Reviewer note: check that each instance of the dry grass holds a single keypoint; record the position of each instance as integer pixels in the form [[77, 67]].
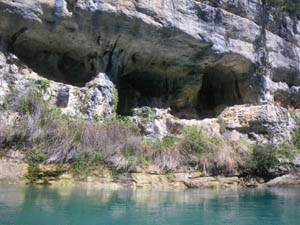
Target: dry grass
[[3, 135], [196, 151], [168, 159], [49, 136], [61, 139]]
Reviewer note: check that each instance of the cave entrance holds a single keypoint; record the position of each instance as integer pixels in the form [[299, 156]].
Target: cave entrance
[[58, 66], [188, 98], [139, 89], [218, 90]]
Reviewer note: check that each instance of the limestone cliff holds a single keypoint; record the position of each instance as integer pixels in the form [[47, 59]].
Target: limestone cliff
[[200, 59], [196, 57]]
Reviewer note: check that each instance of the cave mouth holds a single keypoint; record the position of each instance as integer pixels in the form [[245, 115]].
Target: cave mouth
[[190, 97], [57, 66], [153, 89], [218, 91], [138, 89]]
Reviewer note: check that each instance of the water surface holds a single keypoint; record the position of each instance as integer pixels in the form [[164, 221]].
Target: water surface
[[49, 206]]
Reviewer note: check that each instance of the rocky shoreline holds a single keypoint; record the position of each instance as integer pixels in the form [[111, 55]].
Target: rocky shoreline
[[149, 177], [161, 90]]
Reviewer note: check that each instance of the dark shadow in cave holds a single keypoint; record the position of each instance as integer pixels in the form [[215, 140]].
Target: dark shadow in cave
[[139, 89], [218, 91], [59, 67]]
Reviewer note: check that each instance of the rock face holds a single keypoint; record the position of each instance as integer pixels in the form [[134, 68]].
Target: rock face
[[166, 53], [284, 181], [12, 171], [156, 123], [196, 57], [60, 176], [261, 122], [95, 99]]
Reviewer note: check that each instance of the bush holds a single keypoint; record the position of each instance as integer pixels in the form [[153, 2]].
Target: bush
[[125, 122], [62, 139], [5, 134], [42, 85], [296, 133], [292, 7], [266, 157], [195, 140], [263, 158], [48, 136], [165, 153], [222, 124]]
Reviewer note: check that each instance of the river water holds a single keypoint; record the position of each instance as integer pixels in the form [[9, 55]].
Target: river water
[[21, 205]]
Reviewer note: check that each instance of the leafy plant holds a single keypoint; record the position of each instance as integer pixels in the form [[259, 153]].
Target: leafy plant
[[263, 158], [195, 140], [80, 165], [97, 158], [125, 122], [290, 6], [222, 124], [266, 157], [42, 85], [115, 100], [296, 132], [33, 170]]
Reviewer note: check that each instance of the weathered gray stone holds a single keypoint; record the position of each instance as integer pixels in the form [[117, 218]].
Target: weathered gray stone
[[62, 98], [200, 59], [284, 181], [12, 172], [179, 42], [95, 99], [264, 123]]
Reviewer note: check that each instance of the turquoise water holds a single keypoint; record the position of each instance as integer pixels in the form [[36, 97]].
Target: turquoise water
[[45, 206]]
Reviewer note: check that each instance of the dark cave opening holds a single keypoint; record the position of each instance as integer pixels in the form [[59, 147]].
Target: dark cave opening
[[59, 67], [218, 91], [139, 89], [207, 96]]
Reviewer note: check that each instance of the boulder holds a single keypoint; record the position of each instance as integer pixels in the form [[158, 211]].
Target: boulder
[[265, 123], [285, 181]]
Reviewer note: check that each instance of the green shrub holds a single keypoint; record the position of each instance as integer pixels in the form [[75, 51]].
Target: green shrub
[[115, 100], [165, 143], [222, 124], [124, 121], [195, 140], [97, 158], [266, 157], [6, 133], [296, 132], [25, 103], [62, 139], [286, 151], [80, 165], [33, 169], [42, 85], [292, 7]]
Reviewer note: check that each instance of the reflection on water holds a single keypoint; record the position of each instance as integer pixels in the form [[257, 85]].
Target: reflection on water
[[45, 206]]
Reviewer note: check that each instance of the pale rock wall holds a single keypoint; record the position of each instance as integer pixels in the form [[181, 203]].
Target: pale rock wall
[[240, 51]]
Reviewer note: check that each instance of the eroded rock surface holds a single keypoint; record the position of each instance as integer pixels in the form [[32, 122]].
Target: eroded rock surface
[[94, 100], [284, 181], [13, 171], [163, 53], [263, 123], [166, 63]]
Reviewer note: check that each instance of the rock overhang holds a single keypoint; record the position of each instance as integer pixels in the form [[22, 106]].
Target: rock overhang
[[90, 29], [77, 39]]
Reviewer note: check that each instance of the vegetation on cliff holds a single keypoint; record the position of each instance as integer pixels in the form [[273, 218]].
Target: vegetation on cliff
[[292, 7], [46, 135]]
